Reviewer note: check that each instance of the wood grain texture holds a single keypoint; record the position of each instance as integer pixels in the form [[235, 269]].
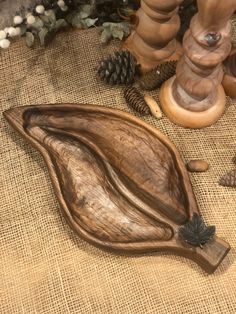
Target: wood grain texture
[[121, 184], [199, 72], [186, 117], [153, 40]]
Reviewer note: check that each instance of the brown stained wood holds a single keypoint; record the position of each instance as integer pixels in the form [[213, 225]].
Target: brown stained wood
[[229, 80], [197, 165], [199, 72], [153, 41], [121, 183], [186, 117]]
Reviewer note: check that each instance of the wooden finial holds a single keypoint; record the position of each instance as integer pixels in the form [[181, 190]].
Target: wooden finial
[[153, 40]]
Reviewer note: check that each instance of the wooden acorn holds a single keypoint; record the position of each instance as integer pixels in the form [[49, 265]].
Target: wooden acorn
[[121, 183], [197, 165]]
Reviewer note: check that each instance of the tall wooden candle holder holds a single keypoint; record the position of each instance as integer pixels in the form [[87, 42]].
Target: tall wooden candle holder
[[153, 40], [195, 98]]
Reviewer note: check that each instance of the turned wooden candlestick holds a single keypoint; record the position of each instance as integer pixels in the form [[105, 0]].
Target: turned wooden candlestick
[[153, 40], [195, 97]]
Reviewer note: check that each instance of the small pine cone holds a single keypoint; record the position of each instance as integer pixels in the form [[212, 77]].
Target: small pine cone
[[118, 69], [229, 179], [186, 12], [136, 100], [157, 76]]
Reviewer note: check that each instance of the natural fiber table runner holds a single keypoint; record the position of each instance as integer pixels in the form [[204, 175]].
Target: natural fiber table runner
[[44, 266]]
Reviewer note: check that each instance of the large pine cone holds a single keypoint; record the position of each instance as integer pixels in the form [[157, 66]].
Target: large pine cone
[[229, 179], [158, 75], [118, 69]]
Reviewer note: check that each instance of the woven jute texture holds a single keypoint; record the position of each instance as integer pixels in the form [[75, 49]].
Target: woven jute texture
[[44, 266]]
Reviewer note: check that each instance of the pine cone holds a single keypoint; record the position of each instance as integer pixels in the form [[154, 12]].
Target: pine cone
[[157, 76], [118, 69], [229, 179], [135, 100], [186, 12]]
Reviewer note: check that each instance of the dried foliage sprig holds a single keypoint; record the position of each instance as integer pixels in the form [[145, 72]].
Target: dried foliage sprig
[[45, 18]]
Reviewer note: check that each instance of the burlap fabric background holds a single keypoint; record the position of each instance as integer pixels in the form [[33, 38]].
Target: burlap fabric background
[[44, 266]]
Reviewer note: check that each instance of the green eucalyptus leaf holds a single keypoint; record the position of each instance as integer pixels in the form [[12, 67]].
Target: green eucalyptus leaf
[[106, 36], [83, 15], [85, 11], [69, 17], [107, 25], [45, 19], [29, 39], [23, 29], [61, 23], [38, 24], [42, 35], [51, 15], [89, 22], [114, 30], [118, 33], [77, 21], [126, 28]]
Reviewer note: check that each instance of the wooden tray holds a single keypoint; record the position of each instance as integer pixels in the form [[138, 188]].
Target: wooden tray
[[121, 183]]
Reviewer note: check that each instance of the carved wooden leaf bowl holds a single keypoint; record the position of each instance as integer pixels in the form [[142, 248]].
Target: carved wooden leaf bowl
[[121, 183]]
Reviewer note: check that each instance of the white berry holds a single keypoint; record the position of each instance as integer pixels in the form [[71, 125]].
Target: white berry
[[3, 35], [40, 9], [30, 19], [4, 43], [61, 3], [18, 19], [18, 31], [12, 32], [64, 8]]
